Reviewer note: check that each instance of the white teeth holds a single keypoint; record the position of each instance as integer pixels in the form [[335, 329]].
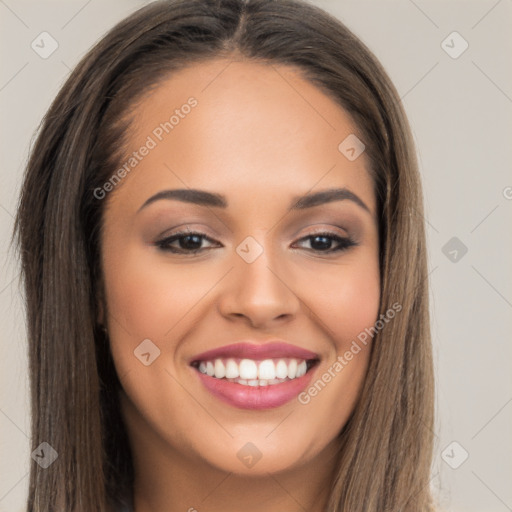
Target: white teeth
[[292, 369], [301, 369], [267, 370], [253, 373], [231, 369], [248, 369], [220, 369], [281, 369]]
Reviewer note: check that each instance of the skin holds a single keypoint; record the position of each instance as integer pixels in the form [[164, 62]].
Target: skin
[[260, 135]]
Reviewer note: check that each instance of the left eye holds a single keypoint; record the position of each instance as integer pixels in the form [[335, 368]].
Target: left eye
[[322, 242], [190, 242]]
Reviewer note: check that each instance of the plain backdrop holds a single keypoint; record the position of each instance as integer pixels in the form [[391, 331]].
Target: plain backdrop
[[460, 109]]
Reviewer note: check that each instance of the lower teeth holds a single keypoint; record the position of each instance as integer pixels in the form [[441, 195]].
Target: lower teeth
[[257, 382]]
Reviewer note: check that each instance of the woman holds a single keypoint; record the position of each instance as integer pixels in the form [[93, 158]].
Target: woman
[[224, 259]]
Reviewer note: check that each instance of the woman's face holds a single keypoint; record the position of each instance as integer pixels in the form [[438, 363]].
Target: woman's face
[[247, 140]]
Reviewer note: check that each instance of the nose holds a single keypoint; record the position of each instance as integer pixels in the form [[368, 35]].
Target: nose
[[259, 293]]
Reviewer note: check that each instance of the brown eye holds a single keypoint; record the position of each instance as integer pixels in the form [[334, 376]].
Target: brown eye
[[323, 242], [188, 242]]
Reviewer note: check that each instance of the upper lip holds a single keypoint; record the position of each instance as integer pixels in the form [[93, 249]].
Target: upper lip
[[256, 350]]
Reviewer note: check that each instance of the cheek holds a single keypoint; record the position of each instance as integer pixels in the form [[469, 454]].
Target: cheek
[[148, 298], [346, 298], [346, 302]]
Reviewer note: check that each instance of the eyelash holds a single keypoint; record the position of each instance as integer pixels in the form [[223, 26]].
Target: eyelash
[[164, 244]]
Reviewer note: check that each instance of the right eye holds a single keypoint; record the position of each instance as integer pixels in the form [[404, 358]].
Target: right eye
[[189, 242]]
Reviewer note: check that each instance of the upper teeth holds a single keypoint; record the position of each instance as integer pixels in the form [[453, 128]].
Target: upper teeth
[[267, 369]]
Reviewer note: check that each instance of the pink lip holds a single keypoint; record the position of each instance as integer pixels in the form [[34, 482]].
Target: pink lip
[[254, 350], [256, 398]]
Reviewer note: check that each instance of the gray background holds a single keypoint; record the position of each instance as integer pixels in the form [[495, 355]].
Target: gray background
[[460, 110]]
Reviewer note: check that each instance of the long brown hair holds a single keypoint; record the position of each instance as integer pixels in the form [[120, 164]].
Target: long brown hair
[[386, 446]]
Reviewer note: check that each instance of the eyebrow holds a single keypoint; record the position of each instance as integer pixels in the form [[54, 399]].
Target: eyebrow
[[204, 198]]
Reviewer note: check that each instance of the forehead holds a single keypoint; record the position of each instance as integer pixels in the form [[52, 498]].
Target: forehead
[[253, 126]]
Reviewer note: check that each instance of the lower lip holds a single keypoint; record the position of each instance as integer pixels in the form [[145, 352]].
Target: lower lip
[[255, 397]]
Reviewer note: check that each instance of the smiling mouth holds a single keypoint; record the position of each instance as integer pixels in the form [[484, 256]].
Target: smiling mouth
[[257, 376], [255, 373], [255, 384]]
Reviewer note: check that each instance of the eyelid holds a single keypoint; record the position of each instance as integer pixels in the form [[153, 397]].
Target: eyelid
[[189, 228], [327, 228]]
